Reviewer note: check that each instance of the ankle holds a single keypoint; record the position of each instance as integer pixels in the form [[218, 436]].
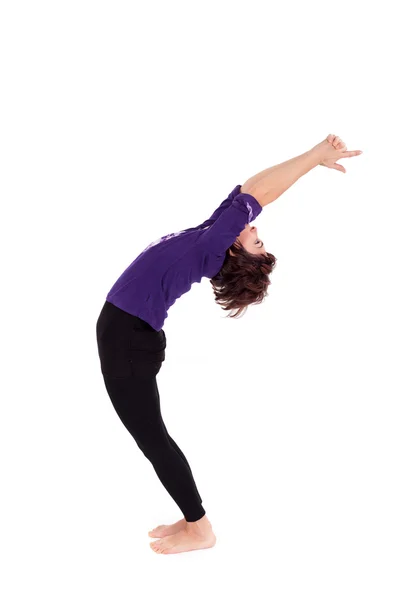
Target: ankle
[[199, 526]]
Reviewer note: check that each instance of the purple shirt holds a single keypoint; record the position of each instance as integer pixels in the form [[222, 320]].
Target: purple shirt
[[167, 268]]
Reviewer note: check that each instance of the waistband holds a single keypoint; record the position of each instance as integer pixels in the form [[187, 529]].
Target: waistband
[[114, 314]]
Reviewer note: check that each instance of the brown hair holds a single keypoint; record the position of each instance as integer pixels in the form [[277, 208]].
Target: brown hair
[[242, 280]]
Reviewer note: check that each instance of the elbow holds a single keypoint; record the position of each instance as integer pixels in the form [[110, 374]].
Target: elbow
[[263, 198]]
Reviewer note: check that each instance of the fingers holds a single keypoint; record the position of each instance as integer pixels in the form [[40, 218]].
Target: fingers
[[339, 167], [338, 144], [351, 153], [333, 139]]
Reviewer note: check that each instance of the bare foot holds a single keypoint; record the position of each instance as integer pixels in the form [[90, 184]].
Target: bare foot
[[196, 535], [164, 530]]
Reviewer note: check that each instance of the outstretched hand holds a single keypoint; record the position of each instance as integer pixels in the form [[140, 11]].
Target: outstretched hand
[[333, 149]]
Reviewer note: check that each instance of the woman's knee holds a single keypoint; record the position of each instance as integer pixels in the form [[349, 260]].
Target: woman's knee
[[153, 441]]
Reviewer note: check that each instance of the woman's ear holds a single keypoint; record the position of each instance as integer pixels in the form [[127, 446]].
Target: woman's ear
[[236, 245]]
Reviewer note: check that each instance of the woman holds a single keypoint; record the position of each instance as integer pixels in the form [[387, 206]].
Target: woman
[[131, 341]]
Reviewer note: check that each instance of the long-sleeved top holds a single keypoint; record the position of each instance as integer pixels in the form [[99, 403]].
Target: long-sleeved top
[[167, 267]]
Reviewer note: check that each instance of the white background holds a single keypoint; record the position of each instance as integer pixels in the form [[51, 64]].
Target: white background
[[125, 121]]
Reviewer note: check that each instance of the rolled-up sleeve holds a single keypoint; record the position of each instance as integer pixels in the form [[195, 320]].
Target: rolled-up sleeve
[[230, 221], [223, 206]]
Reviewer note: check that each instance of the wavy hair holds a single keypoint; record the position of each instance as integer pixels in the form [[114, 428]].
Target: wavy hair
[[242, 280]]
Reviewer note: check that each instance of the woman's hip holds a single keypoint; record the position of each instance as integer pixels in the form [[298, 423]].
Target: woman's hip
[[127, 345]]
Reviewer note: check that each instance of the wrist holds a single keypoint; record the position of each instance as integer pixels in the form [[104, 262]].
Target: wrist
[[316, 155]]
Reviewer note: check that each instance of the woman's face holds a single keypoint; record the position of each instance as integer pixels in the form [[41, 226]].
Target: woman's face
[[250, 240]]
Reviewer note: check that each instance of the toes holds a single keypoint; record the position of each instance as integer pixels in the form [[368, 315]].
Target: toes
[[162, 544], [154, 545], [156, 548], [154, 532]]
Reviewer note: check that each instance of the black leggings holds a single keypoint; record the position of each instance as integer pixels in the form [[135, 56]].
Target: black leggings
[[131, 354]]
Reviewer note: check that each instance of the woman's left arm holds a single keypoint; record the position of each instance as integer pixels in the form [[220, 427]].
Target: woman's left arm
[[271, 183]]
